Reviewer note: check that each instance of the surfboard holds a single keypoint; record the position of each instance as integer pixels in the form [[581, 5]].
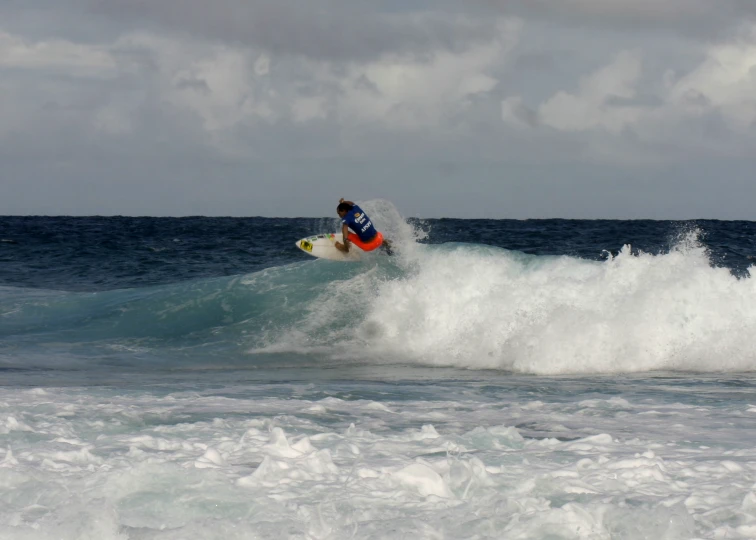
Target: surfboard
[[323, 246]]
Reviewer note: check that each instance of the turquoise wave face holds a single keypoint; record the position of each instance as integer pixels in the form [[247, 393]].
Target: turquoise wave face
[[204, 321], [194, 320]]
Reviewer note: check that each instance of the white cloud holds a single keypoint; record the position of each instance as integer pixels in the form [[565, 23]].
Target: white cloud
[[710, 109], [262, 65], [244, 100], [58, 55], [591, 106], [230, 89], [410, 92], [240, 81], [309, 108], [227, 86], [725, 81]]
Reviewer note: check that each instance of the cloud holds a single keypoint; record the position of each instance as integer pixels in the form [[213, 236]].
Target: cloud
[[90, 86], [244, 102], [604, 100], [591, 106], [59, 55], [227, 92], [405, 92], [725, 81], [691, 18], [337, 30], [710, 108]]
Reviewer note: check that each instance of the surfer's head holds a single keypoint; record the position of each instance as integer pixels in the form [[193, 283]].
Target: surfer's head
[[343, 209]]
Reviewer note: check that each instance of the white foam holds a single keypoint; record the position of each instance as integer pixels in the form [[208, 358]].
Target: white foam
[[210, 459], [12, 424], [393, 226], [360, 471], [9, 461], [424, 479], [489, 308]]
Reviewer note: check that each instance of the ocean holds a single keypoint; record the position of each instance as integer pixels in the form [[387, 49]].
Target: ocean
[[198, 378]]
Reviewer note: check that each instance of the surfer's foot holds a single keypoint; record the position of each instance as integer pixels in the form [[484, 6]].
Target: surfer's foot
[[386, 246]]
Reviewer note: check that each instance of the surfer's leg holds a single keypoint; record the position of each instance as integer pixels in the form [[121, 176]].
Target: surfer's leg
[[354, 239], [370, 245], [386, 246]]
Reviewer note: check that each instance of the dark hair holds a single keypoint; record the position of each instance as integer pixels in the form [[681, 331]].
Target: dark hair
[[345, 207]]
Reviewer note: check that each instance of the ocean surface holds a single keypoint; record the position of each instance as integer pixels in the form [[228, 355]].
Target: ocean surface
[[192, 378]]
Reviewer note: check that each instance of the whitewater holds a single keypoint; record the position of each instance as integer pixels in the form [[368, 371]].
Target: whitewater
[[196, 378]]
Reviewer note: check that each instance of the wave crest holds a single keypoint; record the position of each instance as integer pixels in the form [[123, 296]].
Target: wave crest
[[462, 305]]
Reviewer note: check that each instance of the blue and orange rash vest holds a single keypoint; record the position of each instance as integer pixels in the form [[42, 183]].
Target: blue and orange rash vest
[[360, 223]]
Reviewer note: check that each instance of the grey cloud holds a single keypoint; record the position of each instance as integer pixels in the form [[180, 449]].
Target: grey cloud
[[140, 58], [330, 30], [364, 83], [464, 161], [693, 97], [199, 85], [692, 18], [525, 115], [538, 60], [327, 30], [642, 100]]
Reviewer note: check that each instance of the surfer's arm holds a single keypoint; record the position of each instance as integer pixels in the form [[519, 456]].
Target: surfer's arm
[[345, 235]]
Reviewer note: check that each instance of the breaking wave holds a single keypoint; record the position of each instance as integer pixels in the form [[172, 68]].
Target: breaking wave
[[463, 305]]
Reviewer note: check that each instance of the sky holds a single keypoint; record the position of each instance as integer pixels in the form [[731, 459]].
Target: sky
[[477, 109]]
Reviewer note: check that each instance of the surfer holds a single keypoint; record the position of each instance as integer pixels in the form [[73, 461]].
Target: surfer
[[364, 236]]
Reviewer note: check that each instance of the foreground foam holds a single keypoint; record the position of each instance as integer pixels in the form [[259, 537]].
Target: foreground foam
[[143, 465]]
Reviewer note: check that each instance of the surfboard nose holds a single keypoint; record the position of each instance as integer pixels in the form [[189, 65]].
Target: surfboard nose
[[305, 245]]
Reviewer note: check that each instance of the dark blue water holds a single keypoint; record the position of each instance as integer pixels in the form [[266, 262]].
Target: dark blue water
[[102, 253], [534, 296]]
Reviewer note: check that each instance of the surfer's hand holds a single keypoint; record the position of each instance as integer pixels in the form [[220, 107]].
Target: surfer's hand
[[341, 200]]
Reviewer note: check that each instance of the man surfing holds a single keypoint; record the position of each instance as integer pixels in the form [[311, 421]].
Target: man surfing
[[364, 236]]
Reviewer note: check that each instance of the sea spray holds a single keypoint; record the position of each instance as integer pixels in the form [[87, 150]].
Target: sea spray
[[488, 308]]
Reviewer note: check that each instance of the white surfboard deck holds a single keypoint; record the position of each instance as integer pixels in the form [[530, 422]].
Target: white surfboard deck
[[323, 246]]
